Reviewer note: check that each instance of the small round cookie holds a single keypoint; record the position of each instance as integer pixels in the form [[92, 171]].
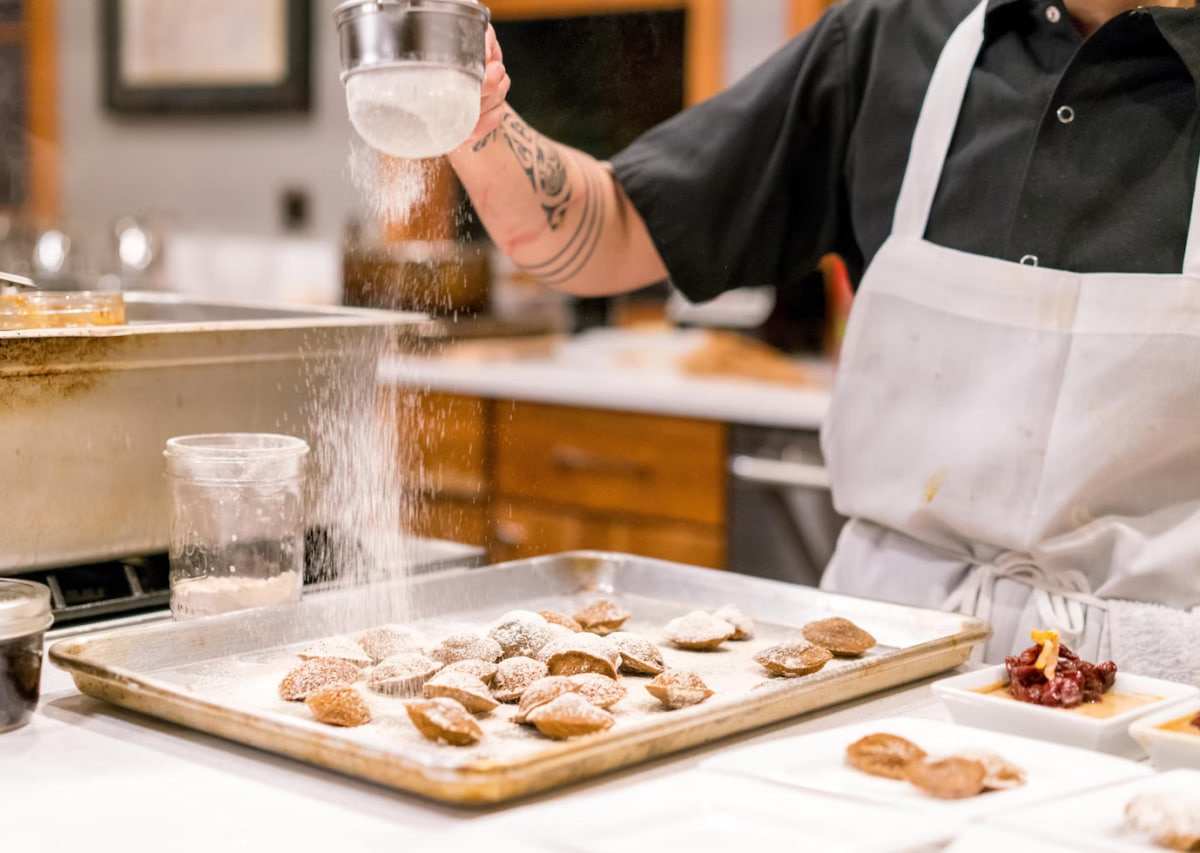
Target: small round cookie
[[402, 674], [600, 690], [698, 631], [311, 675], [556, 618], [542, 691], [677, 688], [481, 669], [339, 705], [514, 676], [465, 646], [444, 720], [568, 716], [951, 778], [341, 648], [883, 755], [639, 656], [462, 687], [840, 636], [582, 652], [743, 625], [521, 633], [602, 617], [388, 641], [793, 659]]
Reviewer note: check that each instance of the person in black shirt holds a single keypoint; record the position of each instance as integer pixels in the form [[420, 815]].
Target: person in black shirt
[[1012, 430]]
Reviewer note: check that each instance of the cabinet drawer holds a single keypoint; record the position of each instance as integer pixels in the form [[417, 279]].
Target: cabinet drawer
[[522, 531], [612, 461], [448, 436]]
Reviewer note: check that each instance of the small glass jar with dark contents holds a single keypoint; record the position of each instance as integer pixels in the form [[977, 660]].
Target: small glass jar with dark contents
[[24, 618]]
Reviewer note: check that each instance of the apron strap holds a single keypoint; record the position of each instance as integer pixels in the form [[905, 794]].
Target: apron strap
[[1191, 255], [935, 126]]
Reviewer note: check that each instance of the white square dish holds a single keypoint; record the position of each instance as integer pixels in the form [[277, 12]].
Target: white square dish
[[817, 762], [1095, 820], [967, 705], [1169, 750]]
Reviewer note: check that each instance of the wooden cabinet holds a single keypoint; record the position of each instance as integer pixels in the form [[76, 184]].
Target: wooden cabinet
[[525, 479]]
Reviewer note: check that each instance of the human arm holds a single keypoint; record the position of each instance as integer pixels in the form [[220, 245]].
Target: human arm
[[558, 213]]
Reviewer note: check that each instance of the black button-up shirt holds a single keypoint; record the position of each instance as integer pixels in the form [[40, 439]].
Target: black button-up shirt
[[1081, 154]]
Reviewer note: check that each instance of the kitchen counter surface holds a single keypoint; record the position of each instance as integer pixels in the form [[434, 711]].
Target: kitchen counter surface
[[85, 774], [616, 370]]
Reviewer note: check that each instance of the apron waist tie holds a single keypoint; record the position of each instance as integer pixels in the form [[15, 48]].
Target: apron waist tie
[[1061, 597]]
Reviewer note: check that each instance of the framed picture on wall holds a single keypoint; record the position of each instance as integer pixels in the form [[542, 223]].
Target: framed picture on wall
[[206, 56]]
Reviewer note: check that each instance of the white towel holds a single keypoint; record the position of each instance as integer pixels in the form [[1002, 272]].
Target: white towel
[[1149, 639]]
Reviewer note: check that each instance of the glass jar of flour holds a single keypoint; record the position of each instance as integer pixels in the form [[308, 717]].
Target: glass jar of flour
[[237, 521]]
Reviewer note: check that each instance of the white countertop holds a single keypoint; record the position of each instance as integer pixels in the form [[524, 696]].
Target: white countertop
[[86, 775], [622, 371]]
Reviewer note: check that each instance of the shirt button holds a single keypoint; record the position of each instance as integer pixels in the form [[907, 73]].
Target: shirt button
[[1065, 114], [1053, 15]]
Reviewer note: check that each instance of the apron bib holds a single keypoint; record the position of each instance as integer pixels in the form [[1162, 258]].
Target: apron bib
[[1012, 441]]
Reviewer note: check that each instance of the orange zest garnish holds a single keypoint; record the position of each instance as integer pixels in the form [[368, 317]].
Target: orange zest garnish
[[1047, 661]]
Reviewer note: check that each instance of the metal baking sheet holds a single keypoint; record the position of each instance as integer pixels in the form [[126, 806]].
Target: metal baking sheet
[[219, 675]]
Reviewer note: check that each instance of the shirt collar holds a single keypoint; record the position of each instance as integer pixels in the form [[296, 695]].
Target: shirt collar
[[1179, 27]]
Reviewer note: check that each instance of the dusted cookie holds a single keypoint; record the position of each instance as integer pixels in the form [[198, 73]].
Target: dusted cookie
[[311, 675], [638, 655], [514, 676], [556, 618], [947, 778], [676, 688], [402, 675], [542, 691], [481, 669], [601, 617], [698, 631], [444, 720], [458, 647], [581, 652], [339, 705], [521, 633], [462, 687], [570, 715], [840, 636], [388, 641], [600, 690], [793, 658], [1172, 819], [883, 755], [743, 625], [340, 648], [999, 773]]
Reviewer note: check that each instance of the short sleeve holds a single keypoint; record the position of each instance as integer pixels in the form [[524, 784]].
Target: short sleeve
[[747, 187]]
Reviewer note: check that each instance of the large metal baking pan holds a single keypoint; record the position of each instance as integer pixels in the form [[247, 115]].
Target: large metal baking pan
[[174, 671], [85, 412]]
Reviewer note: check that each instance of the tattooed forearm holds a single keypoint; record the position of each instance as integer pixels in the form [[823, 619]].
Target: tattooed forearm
[[541, 163], [578, 251]]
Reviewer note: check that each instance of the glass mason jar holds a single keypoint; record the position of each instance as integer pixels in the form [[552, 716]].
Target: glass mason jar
[[237, 521], [24, 619]]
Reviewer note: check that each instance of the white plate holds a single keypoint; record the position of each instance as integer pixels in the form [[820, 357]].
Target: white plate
[[818, 762], [1096, 820], [1057, 725], [698, 812], [982, 838], [1169, 750]]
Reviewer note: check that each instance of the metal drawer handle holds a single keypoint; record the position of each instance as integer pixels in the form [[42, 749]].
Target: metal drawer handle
[[575, 459], [774, 472]]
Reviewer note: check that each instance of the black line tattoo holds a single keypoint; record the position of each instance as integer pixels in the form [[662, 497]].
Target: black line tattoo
[[578, 251], [540, 162]]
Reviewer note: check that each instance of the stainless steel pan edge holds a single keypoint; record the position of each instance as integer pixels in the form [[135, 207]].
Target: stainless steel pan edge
[[486, 782]]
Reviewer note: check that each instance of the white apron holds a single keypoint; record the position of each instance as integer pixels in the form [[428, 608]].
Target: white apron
[[1018, 442]]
